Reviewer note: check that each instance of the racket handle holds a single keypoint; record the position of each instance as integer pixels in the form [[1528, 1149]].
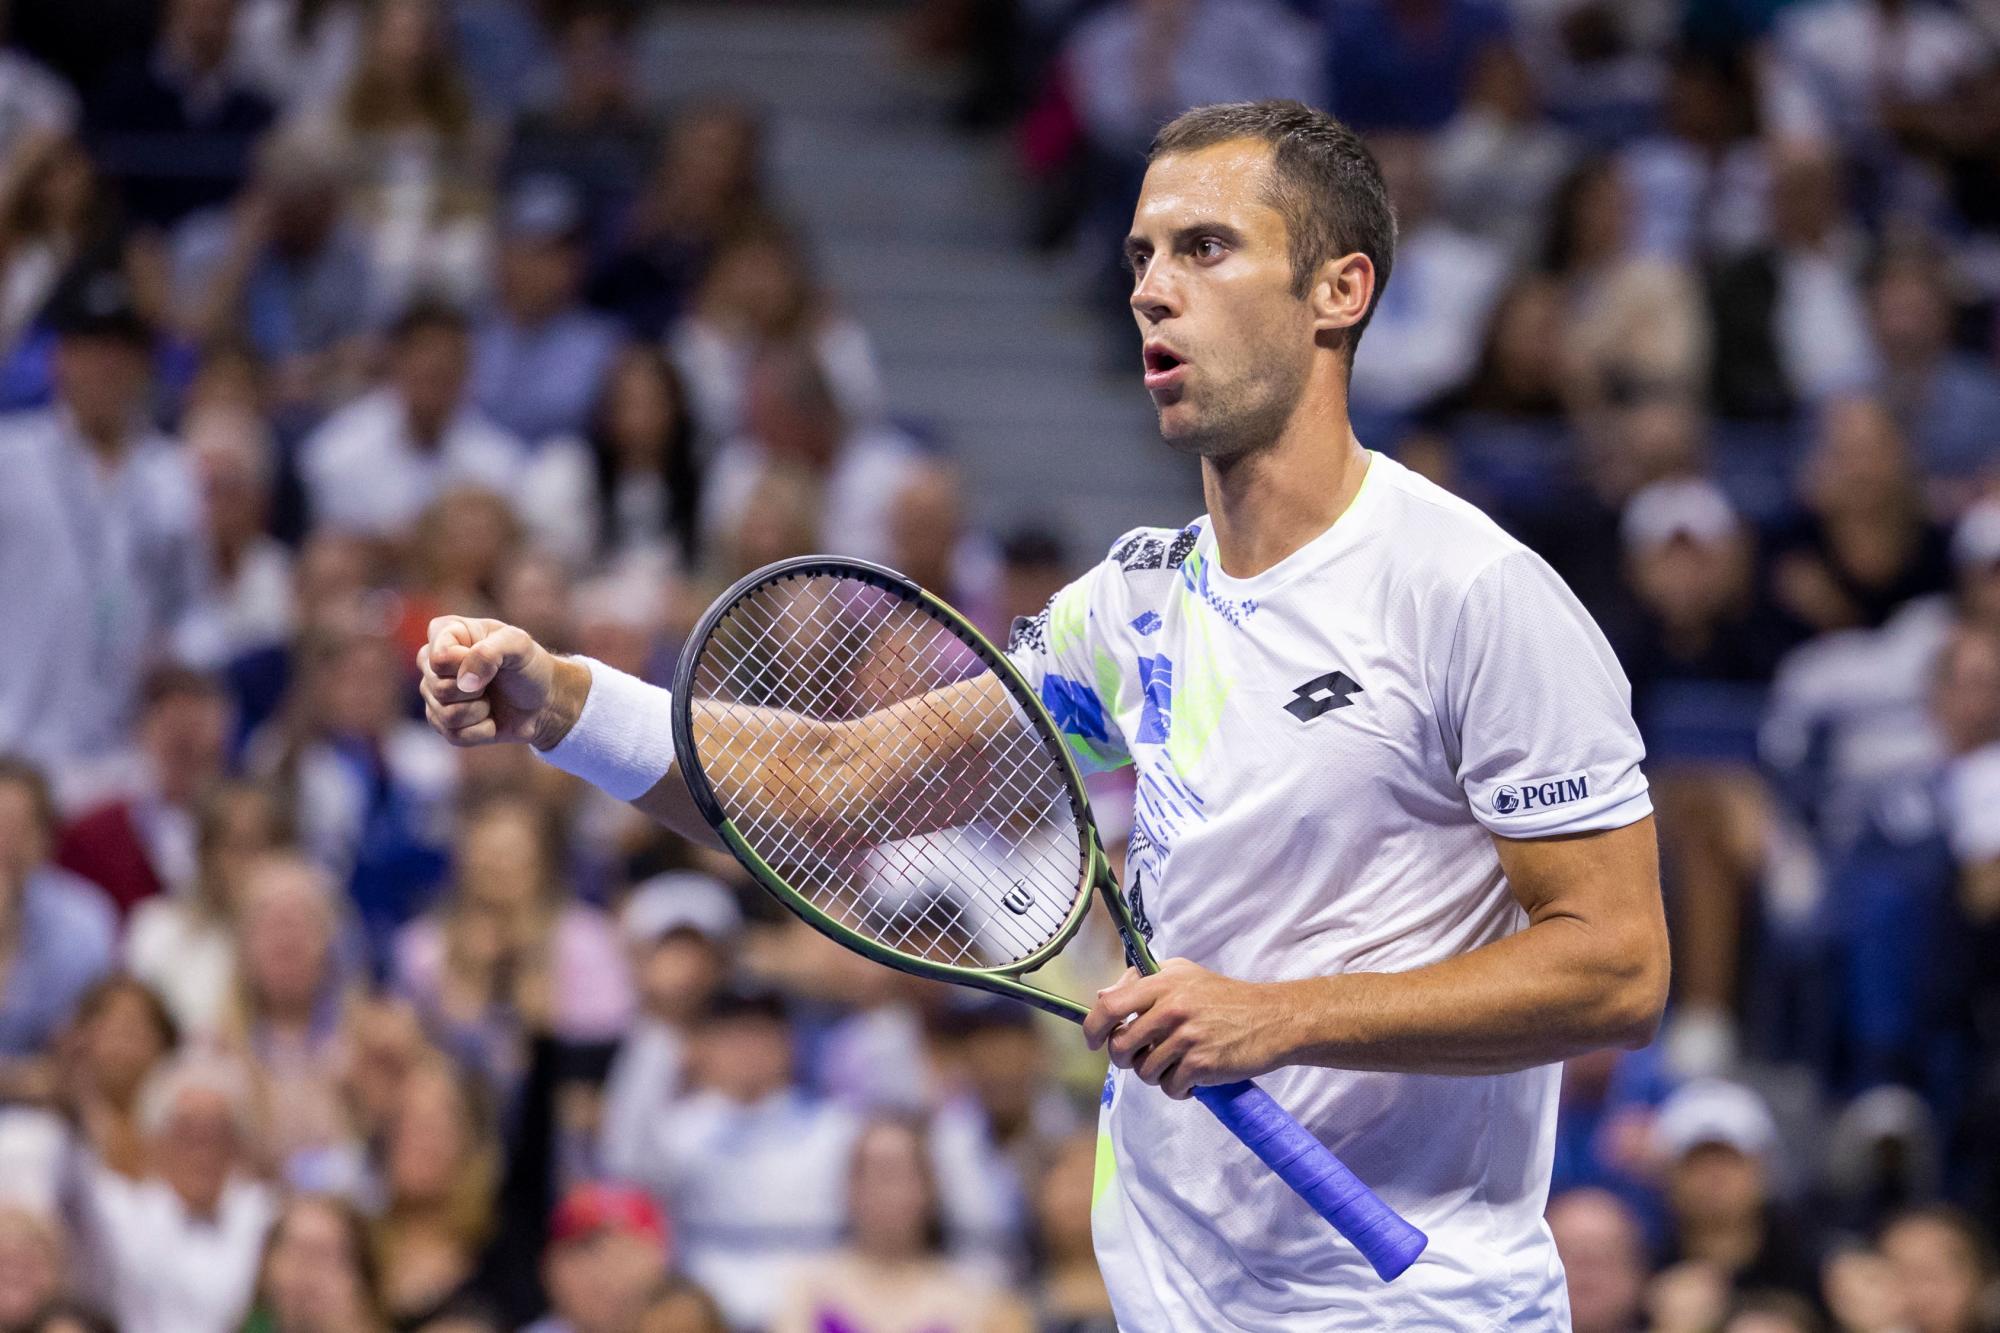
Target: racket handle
[[1385, 1240]]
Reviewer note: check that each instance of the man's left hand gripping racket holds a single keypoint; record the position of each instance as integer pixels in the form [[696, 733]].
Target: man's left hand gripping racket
[[888, 775]]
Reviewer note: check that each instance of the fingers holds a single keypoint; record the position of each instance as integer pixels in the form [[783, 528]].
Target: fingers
[[467, 723], [1130, 1043], [1156, 1062], [491, 654], [1110, 1010]]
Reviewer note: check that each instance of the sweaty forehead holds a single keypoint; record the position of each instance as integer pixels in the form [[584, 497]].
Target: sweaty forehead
[[1226, 182]]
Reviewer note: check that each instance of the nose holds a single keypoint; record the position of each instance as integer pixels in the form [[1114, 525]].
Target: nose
[[1154, 297]]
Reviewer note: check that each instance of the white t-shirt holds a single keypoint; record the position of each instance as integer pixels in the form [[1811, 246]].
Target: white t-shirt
[[1323, 753]]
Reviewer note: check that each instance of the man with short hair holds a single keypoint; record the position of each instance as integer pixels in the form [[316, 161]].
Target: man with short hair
[[376, 464], [1393, 840], [103, 567], [177, 1250]]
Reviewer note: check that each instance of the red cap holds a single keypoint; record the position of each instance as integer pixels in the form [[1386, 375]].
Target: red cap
[[591, 1208]]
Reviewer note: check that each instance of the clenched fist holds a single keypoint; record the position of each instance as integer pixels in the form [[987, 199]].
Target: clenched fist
[[485, 682]]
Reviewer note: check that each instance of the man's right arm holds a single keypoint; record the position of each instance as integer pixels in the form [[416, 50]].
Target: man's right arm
[[485, 682]]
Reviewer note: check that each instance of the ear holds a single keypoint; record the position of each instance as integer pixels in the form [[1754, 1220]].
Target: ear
[[1341, 291]]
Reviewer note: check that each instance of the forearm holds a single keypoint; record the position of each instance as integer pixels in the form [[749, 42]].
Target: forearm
[[1557, 989]]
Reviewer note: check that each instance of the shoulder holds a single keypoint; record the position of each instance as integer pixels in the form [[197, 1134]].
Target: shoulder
[[353, 428], [1437, 541], [1139, 562]]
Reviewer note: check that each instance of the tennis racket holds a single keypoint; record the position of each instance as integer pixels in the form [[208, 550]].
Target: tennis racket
[[886, 773]]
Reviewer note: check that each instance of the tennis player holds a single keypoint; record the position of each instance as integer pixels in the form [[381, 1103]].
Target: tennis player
[[1391, 827]]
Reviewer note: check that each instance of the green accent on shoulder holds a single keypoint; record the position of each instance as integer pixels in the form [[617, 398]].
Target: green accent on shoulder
[[1069, 614], [1201, 691]]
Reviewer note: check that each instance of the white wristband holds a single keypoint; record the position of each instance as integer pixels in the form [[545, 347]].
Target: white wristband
[[623, 741]]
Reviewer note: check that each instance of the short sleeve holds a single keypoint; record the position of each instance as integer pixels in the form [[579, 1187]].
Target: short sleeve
[[1062, 653], [1537, 709]]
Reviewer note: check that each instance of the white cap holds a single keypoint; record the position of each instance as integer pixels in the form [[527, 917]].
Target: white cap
[[1714, 1110], [681, 900], [1684, 507], [1977, 540]]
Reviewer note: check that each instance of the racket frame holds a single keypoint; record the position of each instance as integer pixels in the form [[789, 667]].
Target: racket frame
[[1095, 877]]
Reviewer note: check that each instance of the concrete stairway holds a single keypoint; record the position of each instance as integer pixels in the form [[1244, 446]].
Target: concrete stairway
[[915, 227]]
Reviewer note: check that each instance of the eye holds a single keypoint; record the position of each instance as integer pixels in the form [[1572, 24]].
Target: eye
[[1135, 261], [1209, 248]]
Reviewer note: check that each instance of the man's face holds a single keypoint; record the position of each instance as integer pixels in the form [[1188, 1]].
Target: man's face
[[102, 379], [599, 1283], [197, 1149], [1226, 345], [430, 371], [185, 736]]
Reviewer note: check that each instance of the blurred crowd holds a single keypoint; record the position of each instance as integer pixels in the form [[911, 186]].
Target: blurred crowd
[[320, 317]]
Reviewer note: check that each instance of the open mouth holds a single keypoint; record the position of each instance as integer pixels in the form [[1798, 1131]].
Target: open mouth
[[1163, 366]]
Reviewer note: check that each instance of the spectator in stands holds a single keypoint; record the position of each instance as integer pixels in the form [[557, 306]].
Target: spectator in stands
[[234, 458], [438, 1168], [758, 298], [1426, 326], [1405, 64], [680, 931], [996, 1124], [176, 1250], [606, 1257], [1603, 1251], [1771, 1312], [32, 1258], [1859, 72], [375, 464], [630, 484], [793, 417], [1946, 1266], [1717, 1140], [366, 785], [1630, 321], [141, 841], [1698, 615], [706, 186], [1701, 186], [176, 126], [1789, 319], [423, 157], [748, 1164], [1942, 397], [894, 1257], [1068, 1291], [283, 268], [509, 952], [121, 1035], [57, 932], [1034, 567], [184, 945], [318, 1274], [57, 215], [470, 536], [292, 993], [538, 357], [101, 557], [590, 122], [1497, 162], [1864, 543]]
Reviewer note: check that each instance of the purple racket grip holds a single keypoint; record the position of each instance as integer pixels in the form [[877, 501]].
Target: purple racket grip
[[1385, 1240]]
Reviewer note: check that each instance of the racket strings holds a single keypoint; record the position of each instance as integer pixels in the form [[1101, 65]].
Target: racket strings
[[847, 735]]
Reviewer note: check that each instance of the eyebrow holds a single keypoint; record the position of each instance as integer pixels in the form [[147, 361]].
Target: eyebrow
[[1222, 231]]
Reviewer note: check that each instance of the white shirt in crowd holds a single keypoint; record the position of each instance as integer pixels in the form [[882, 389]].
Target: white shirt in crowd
[[1830, 64], [187, 957], [1324, 754], [103, 572], [716, 367], [753, 1190], [873, 465], [364, 472], [558, 502], [165, 1270]]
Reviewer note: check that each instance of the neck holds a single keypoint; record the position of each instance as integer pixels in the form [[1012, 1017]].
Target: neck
[[1267, 504]]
